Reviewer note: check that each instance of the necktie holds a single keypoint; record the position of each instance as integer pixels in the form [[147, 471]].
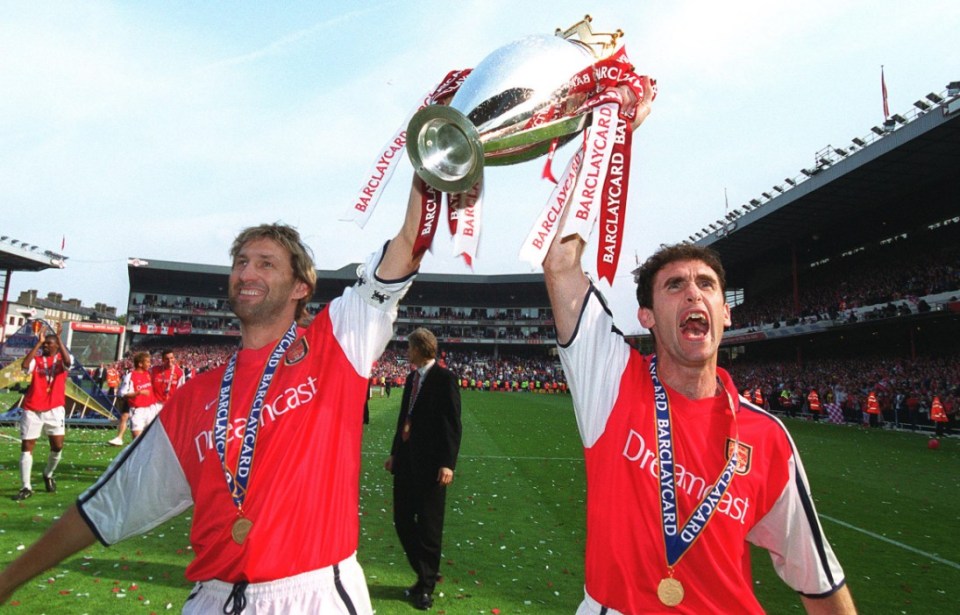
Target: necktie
[[414, 391]]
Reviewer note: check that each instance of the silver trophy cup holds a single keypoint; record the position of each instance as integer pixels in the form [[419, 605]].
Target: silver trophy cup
[[493, 119]]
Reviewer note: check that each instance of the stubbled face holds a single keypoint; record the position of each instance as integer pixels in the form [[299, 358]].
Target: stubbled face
[[689, 313], [263, 289], [168, 360]]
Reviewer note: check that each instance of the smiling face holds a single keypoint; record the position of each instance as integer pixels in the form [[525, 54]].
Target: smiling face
[[688, 315], [263, 289]]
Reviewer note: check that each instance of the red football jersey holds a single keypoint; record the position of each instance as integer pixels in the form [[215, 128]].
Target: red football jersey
[[303, 492], [49, 384], [767, 503]]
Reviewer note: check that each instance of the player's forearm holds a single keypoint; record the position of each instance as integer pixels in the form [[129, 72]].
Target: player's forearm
[[566, 284], [399, 260], [65, 354], [67, 536], [838, 603], [29, 356]]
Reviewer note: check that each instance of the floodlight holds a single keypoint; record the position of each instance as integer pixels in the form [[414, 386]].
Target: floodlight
[[790, 181], [889, 125], [840, 151], [778, 189], [898, 118], [953, 88], [878, 130], [934, 98], [766, 195], [921, 105], [859, 142], [755, 202], [808, 172]]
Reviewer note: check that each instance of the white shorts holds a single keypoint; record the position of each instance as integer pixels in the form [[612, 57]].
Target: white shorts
[[589, 606], [140, 418], [339, 589], [48, 423]]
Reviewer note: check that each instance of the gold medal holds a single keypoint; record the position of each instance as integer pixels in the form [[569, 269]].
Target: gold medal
[[670, 591], [242, 527]]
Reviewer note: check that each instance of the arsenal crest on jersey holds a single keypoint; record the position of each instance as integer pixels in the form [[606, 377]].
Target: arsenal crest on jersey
[[297, 352], [744, 454]]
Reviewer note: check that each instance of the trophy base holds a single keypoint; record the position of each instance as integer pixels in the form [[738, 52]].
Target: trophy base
[[444, 148]]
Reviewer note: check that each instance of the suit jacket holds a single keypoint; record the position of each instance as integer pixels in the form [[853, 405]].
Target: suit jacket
[[435, 428]]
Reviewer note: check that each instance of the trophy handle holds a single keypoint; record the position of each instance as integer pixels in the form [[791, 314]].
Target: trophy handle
[[444, 148]]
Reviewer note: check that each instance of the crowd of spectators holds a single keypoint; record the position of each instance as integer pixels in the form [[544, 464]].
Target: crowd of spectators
[[480, 371], [893, 277], [904, 388]]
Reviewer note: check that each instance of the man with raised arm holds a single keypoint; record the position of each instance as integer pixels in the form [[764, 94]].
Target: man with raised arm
[[682, 472], [43, 408], [275, 531]]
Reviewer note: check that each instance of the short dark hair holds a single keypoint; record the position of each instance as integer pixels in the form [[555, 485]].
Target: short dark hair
[[424, 342], [645, 274], [301, 257]]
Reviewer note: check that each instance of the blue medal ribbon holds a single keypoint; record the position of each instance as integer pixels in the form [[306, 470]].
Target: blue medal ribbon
[[677, 540], [237, 481]]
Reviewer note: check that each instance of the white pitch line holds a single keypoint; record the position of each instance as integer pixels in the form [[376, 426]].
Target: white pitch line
[[935, 558], [9, 437]]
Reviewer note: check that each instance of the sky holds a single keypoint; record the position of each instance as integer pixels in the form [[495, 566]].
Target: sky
[[159, 130]]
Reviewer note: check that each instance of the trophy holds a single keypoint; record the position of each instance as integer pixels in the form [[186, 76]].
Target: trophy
[[520, 102]]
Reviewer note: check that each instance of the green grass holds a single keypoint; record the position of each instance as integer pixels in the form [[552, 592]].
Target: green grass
[[513, 539]]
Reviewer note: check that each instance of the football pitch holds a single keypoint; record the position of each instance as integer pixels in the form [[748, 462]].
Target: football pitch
[[514, 533]]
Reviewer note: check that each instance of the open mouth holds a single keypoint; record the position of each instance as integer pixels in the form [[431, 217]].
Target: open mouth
[[695, 325]]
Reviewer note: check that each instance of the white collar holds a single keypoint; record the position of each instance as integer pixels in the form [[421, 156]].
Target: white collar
[[425, 368]]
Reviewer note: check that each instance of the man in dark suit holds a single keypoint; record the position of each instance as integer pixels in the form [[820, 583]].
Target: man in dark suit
[[422, 460]]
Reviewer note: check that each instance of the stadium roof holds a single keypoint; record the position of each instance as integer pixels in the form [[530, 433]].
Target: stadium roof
[[20, 256], [906, 179]]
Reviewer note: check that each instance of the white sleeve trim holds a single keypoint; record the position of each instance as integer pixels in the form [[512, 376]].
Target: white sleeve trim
[[381, 294], [594, 360], [363, 316], [142, 488], [792, 534]]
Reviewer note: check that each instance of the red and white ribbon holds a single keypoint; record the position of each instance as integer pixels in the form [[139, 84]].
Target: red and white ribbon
[[585, 200], [429, 217], [538, 241], [392, 153], [466, 238]]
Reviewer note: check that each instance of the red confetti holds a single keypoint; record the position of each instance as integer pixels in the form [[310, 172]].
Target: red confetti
[[64, 592], [495, 611]]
